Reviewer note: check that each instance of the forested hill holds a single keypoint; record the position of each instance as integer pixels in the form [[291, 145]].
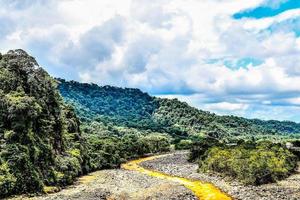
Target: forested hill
[[40, 140], [134, 108], [43, 146], [122, 105]]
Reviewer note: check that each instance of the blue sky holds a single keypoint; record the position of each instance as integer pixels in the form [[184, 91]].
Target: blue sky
[[268, 9], [225, 56]]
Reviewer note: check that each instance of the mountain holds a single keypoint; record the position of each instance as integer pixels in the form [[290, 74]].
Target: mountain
[[133, 108], [40, 140], [121, 105], [43, 146], [52, 130]]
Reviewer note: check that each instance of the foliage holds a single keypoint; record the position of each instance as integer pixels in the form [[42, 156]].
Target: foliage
[[200, 146], [132, 108], [43, 144], [36, 128], [250, 163], [110, 103], [109, 146], [184, 144], [7, 179]]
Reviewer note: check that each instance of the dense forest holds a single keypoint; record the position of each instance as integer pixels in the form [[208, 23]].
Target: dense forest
[[133, 108], [252, 151], [39, 134], [52, 131], [42, 145]]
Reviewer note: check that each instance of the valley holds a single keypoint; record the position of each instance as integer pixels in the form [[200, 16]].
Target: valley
[[142, 179], [74, 140], [149, 100]]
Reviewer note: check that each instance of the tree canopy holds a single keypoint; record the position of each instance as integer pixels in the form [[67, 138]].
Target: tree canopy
[[134, 108]]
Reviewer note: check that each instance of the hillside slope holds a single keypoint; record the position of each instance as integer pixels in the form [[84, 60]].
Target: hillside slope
[[40, 140], [133, 108], [43, 146]]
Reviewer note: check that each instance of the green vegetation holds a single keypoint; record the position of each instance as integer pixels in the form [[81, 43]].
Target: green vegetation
[[130, 108], [249, 162], [37, 130], [44, 145], [109, 146], [133, 108], [183, 144], [200, 146], [41, 142], [108, 152]]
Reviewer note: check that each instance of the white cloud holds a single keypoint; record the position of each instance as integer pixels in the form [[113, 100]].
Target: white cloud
[[263, 23], [226, 106], [163, 47]]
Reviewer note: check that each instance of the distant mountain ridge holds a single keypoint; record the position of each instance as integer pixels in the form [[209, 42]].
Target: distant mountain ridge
[[44, 145], [134, 108]]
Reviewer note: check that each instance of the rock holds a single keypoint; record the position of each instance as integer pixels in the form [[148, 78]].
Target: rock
[[126, 185], [177, 164]]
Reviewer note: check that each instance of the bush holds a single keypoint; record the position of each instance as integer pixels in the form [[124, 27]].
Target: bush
[[27, 176], [111, 151], [7, 180], [68, 169], [183, 144], [200, 146], [264, 163]]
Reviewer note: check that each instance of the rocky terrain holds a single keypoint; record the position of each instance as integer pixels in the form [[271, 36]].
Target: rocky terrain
[[121, 184], [176, 164]]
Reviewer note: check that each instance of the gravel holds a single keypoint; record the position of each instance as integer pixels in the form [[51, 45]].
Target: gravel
[[177, 164], [119, 184]]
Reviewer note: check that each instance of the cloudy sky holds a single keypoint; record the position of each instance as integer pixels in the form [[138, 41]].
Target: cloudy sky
[[238, 57]]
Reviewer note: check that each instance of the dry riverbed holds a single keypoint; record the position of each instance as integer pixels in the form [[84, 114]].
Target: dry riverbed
[[121, 184], [176, 164]]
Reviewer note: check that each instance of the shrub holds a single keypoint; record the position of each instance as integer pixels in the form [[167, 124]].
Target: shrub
[[200, 146], [7, 180], [68, 169], [261, 164], [110, 151], [183, 144]]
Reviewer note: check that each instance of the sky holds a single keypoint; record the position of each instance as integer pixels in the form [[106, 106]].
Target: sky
[[225, 56]]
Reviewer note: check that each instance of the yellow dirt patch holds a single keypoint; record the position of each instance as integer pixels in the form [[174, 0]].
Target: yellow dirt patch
[[86, 179], [204, 191], [50, 189]]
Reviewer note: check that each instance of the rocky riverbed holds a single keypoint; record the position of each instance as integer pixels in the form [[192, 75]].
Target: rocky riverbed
[[176, 164], [119, 184]]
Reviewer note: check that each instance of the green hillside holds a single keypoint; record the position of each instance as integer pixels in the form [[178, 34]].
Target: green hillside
[[43, 147], [40, 140], [133, 108]]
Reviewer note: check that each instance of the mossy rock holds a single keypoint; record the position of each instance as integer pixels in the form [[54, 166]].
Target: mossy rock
[[51, 189]]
